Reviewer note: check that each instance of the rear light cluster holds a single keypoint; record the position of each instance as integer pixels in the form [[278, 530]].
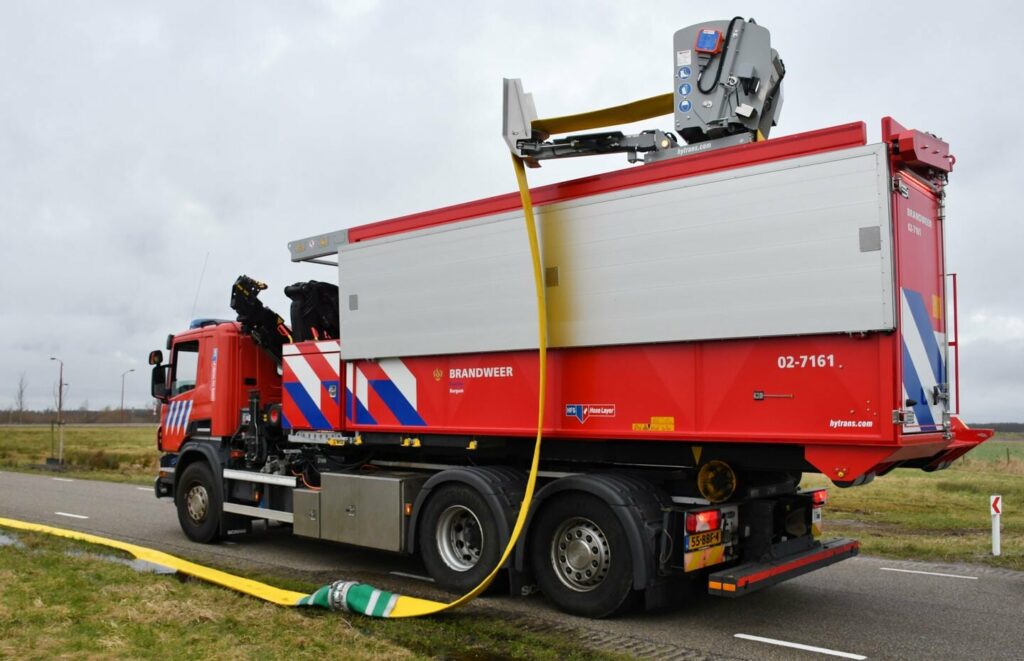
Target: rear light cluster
[[819, 497], [703, 521]]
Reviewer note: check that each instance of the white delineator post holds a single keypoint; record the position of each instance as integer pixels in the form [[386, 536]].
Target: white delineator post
[[995, 506]]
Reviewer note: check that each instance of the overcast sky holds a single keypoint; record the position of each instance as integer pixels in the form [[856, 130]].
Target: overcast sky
[[138, 138]]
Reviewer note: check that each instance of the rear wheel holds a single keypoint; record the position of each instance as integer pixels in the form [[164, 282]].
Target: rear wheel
[[580, 556], [199, 503], [458, 538]]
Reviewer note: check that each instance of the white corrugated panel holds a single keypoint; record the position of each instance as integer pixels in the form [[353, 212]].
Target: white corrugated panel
[[774, 249]]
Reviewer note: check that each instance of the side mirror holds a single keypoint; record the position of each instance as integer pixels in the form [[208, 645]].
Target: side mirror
[[158, 385], [156, 357]]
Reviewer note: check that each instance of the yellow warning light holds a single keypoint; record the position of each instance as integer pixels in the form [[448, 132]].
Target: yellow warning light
[[408, 509]]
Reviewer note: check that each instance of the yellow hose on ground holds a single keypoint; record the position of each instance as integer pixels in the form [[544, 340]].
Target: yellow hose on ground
[[356, 597], [215, 576]]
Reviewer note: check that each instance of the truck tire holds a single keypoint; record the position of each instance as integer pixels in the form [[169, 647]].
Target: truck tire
[[581, 557], [199, 503], [458, 538]]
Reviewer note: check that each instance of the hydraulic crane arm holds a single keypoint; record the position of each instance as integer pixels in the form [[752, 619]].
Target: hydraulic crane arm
[[265, 326]]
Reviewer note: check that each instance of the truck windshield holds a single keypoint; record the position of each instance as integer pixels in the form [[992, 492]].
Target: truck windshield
[[186, 365]]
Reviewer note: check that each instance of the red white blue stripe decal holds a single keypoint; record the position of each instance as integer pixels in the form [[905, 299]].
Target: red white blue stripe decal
[[312, 385], [924, 360], [178, 415], [384, 391]]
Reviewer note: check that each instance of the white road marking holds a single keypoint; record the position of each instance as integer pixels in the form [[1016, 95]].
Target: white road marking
[[144, 488], [798, 646], [73, 516], [415, 576], [62, 479], [929, 573]]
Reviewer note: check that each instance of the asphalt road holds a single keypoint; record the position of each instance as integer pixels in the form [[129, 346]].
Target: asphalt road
[[864, 607]]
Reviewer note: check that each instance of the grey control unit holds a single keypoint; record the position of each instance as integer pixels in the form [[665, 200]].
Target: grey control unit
[[728, 80], [727, 90]]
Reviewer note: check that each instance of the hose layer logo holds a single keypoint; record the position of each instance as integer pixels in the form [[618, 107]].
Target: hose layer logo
[[583, 411]]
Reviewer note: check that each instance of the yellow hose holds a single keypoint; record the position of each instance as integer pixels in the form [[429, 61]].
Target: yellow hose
[[411, 607], [215, 576], [636, 111]]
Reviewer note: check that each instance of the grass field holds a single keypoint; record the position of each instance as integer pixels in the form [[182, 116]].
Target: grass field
[[53, 604], [940, 516], [105, 452]]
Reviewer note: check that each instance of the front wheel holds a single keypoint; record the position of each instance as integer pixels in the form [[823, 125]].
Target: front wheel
[[458, 538], [581, 557], [199, 503]]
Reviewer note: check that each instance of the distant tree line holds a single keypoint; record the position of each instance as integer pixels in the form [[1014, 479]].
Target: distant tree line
[[79, 416], [1000, 426]]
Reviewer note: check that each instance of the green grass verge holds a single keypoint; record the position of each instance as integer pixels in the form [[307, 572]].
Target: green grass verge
[[53, 604], [103, 452], [56, 605], [940, 516]]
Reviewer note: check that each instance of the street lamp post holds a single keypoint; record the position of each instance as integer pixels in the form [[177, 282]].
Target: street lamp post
[[123, 374], [60, 411]]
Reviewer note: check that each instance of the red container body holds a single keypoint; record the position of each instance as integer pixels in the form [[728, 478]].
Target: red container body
[[855, 403]]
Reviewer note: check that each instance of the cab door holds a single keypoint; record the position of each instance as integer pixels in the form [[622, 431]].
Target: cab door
[[179, 408]]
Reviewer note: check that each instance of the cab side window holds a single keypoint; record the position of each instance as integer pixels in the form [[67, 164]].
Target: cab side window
[[186, 366]]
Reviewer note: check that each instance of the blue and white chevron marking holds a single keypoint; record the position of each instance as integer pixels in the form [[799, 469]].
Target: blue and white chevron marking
[[924, 362], [177, 416]]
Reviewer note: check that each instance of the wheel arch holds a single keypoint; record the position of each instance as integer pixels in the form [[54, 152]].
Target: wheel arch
[[501, 487], [636, 503], [193, 451]]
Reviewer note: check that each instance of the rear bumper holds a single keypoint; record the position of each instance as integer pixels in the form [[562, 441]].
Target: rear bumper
[[752, 576]]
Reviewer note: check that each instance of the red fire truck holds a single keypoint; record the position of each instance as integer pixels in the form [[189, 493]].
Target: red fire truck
[[722, 320]]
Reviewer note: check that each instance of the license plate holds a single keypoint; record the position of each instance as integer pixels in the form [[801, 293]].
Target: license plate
[[702, 540]]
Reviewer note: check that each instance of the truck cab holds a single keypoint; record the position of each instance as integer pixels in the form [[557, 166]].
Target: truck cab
[[205, 387]]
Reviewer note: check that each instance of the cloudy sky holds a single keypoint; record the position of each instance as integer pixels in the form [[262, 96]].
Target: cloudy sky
[[140, 140]]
